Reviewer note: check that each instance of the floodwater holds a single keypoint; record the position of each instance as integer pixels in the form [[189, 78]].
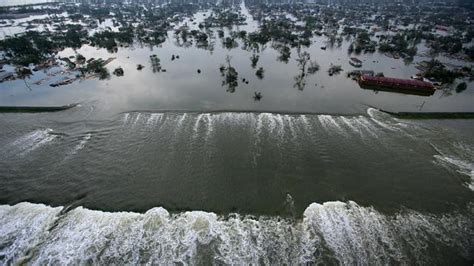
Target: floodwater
[[171, 168], [235, 187], [181, 87], [23, 2]]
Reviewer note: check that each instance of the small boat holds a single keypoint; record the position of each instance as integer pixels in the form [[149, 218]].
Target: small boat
[[355, 62]]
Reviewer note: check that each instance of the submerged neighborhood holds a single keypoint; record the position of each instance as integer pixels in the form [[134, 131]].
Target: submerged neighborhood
[[426, 35]]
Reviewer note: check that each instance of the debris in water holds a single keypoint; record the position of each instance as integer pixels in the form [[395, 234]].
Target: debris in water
[[118, 72], [257, 96]]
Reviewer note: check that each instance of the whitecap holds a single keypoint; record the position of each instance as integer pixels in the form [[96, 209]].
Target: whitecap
[[336, 232]]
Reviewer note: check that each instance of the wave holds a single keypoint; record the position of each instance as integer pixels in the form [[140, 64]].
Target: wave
[[458, 158], [332, 232], [279, 125], [82, 143], [462, 167], [33, 140]]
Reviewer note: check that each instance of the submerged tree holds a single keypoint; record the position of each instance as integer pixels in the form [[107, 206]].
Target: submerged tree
[[230, 43], [461, 87], [155, 63], [284, 51], [302, 60], [80, 59], [260, 73], [96, 67], [118, 72], [23, 72], [254, 59], [350, 49], [230, 75], [334, 70], [313, 67]]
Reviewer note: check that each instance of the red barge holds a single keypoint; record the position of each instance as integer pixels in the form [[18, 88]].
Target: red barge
[[406, 86]]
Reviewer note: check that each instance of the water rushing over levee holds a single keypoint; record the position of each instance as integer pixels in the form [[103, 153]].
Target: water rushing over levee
[[235, 187], [235, 161], [333, 232]]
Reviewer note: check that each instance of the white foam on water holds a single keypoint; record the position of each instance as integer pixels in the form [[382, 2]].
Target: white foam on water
[[328, 122], [182, 118], [305, 122], [271, 122], [259, 124], [385, 125], [462, 166], [32, 137], [196, 124], [334, 232], [377, 114], [393, 124], [33, 140], [240, 119], [22, 227], [258, 132], [381, 119], [365, 125], [153, 119], [356, 235], [291, 125], [180, 122], [352, 124], [82, 143], [360, 125], [230, 118], [458, 157], [126, 117], [137, 118], [281, 124], [210, 125]]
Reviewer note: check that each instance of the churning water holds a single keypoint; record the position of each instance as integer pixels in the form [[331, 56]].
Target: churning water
[[333, 232], [273, 188]]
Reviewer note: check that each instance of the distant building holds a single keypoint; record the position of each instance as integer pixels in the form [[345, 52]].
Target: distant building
[[442, 28]]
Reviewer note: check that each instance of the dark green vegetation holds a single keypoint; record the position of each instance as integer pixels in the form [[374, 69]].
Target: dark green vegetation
[[97, 67], [436, 70], [230, 75]]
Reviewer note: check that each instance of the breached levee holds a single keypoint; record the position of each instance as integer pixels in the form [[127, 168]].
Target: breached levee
[[274, 123], [333, 232]]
